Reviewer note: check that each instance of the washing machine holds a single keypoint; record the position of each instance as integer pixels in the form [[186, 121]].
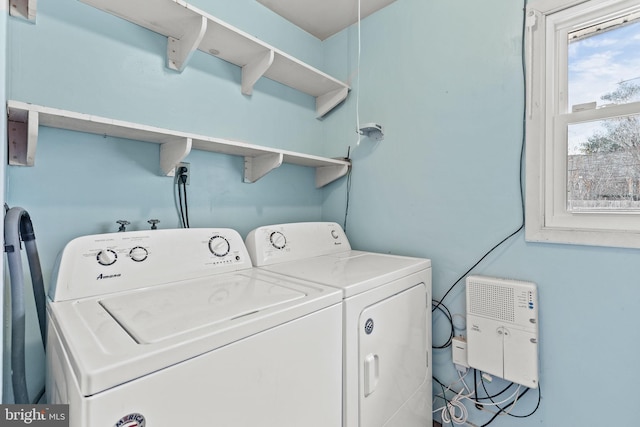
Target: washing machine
[[163, 328], [386, 318]]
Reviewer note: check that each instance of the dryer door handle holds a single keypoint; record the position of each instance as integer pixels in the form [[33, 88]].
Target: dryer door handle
[[371, 373]]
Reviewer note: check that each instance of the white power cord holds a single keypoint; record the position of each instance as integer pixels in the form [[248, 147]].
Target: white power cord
[[359, 55], [358, 66], [454, 410], [514, 396]]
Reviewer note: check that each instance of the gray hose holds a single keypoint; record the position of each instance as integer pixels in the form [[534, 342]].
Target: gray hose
[[37, 282], [18, 225]]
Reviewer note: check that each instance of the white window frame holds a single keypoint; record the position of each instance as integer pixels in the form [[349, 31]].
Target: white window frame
[[548, 23]]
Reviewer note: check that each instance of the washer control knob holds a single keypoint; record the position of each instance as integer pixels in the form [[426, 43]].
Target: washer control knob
[[219, 246], [138, 254], [278, 240], [334, 234], [106, 257]]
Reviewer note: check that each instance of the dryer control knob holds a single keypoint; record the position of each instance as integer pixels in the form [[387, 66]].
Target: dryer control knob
[[106, 257], [219, 246], [138, 254], [278, 240]]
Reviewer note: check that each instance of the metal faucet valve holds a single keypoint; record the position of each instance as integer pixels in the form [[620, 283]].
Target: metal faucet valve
[[123, 224], [153, 223]]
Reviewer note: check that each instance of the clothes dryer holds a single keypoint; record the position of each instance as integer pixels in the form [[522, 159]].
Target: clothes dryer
[[386, 318], [174, 327]]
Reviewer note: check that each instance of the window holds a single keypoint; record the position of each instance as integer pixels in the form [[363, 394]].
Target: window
[[583, 122]]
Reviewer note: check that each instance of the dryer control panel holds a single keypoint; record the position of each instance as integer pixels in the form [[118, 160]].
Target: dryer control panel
[[106, 263], [274, 244]]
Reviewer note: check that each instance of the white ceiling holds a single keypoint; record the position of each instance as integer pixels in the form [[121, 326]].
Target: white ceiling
[[324, 18]]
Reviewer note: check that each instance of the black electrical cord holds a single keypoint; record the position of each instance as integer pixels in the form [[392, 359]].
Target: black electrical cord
[[522, 147], [447, 314], [183, 178], [183, 222], [475, 391], [497, 414], [346, 208], [439, 382], [534, 409], [444, 395], [500, 409], [475, 388], [438, 305], [524, 121], [503, 410], [182, 204]]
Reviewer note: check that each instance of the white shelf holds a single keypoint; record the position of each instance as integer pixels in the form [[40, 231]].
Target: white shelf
[[188, 28], [25, 119]]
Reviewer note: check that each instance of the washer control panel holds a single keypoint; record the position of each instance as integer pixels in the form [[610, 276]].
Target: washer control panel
[[106, 263], [274, 244]]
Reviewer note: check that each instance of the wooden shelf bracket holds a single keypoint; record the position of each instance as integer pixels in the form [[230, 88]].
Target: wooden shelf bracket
[[23, 137], [255, 69], [327, 174], [179, 51], [25, 9], [255, 167], [172, 153], [328, 101]]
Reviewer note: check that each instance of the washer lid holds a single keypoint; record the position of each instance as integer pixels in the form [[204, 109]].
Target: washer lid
[[155, 314], [116, 338], [352, 271]]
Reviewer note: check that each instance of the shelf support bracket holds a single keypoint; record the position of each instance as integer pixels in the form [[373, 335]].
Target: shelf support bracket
[[23, 137], [327, 174], [23, 9], [179, 51], [255, 69], [172, 153], [326, 102], [258, 166]]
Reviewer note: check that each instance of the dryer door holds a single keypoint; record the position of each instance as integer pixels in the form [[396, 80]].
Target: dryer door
[[392, 354]]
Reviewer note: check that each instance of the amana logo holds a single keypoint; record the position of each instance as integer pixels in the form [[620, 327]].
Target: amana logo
[[131, 420], [107, 276]]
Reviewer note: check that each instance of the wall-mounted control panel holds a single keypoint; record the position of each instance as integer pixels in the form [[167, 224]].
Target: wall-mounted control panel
[[502, 328]]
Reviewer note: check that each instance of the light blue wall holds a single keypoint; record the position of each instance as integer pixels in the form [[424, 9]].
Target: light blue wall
[[81, 59], [445, 79]]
